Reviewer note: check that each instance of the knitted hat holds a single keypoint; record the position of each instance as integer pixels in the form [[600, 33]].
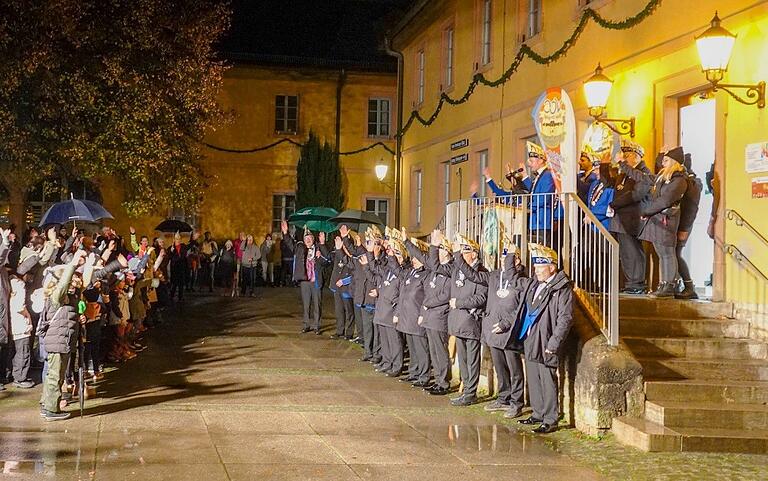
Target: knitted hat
[[676, 154]]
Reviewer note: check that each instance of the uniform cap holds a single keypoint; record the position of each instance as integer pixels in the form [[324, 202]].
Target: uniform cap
[[535, 150], [420, 244], [629, 146], [467, 245], [542, 255]]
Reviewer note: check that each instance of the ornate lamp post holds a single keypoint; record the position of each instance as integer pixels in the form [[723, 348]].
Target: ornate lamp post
[[715, 46], [597, 89]]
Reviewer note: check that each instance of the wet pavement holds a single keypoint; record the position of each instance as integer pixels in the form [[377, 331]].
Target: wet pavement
[[230, 391]]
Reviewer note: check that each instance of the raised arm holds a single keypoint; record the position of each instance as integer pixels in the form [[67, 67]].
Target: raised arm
[[473, 275]]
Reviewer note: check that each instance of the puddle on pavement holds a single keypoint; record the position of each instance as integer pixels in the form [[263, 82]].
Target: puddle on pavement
[[495, 438]]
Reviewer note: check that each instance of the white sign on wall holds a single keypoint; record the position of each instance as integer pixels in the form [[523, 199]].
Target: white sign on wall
[[756, 157]]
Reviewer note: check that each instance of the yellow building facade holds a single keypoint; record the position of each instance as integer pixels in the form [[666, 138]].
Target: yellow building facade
[[656, 77], [251, 192]]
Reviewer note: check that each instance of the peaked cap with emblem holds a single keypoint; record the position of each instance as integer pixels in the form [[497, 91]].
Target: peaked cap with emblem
[[542, 255], [535, 150], [467, 245], [420, 244], [629, 146]]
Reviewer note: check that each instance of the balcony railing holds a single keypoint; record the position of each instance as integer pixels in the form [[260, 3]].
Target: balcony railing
[[587, 252]]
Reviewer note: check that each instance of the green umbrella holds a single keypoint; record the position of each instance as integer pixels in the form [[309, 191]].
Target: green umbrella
[[307, 214], [320, 226]]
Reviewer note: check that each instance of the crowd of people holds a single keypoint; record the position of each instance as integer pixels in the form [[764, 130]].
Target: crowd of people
[[632, 203], [406, 298]]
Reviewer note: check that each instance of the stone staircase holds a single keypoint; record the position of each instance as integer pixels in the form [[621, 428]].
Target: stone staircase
[[706, 382]]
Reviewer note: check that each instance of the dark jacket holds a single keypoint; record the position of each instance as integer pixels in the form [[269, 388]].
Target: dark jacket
[[387, 273], [300, 261], [503, 299], [410, 301], [553, 321], [437, 294], [660, 207], [343, 269], [689, 204], [5, 293], [178, 261], [465, 320], [58, 325], [626, 199], [362, 281]]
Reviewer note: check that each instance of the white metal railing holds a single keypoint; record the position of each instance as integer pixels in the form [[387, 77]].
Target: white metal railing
[[587, 252]]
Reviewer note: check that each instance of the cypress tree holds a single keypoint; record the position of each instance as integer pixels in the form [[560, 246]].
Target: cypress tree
[[319, 176]]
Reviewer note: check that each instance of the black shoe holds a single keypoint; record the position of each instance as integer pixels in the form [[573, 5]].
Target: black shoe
[[513, 413], [634, 291], [337, 336], [392, 373], [376, 361], [408, 379], [437, 391], [317, 332], [496, 406], [348, 338], [51, 416], [305, 330], [421, 384], [688, 292], [464, 401], [666, 290], [364, 359], [530, 421], [545, 428]]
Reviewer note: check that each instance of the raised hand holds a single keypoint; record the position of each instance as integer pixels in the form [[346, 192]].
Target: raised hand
[[474, 187], [436, 238], [321, 237], [487, 172], [51, 234], [338, 243], [284, 227], [74, 231]]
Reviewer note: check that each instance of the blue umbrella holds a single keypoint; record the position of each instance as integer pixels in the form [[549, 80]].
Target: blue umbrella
[[73, 210]]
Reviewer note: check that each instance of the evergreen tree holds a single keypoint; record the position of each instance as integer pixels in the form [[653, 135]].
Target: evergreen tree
[[319, 176]]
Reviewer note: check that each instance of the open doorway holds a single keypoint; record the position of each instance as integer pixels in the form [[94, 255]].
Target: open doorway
[[697, 136]]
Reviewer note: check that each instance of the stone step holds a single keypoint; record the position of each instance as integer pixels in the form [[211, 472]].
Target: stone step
[[649, 436], [706, 369], [640, 306], [682, 327], [698, 347], [693, 390], [688, 414]]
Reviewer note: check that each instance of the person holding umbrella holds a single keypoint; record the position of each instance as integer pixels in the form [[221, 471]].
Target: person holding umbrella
[[179, 268], [309, 260]]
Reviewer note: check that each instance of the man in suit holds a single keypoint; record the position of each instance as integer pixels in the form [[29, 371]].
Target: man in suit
[[177, 258]]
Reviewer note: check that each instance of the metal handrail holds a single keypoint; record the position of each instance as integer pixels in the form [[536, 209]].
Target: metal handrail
[[740, 221], [734, 252], [589, 254]]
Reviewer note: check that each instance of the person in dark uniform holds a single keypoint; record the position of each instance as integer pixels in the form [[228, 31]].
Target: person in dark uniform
[[408, 312], [340, 285], [388, 271], [544, 317], [625, 222], [466, 307], [587, 174], [503, 299], [364, 304], [373, 240], [434, 315], [308, 263]]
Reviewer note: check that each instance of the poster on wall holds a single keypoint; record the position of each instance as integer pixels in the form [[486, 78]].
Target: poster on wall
[[756, 157], [760, 187], [555, 125]]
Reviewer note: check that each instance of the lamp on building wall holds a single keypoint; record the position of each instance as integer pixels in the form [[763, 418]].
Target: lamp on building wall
[[381, 170], [715, 46], [597, 89]]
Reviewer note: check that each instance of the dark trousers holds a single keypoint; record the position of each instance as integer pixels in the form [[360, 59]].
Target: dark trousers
[[509, 372], [311, 299], [178, 284], [22, 359], [92, 346], [368, 332], [468, 352], [633, 261], [247, 280], [3, 363], [376, 343], [439, 357], [345, 315], [667, 262], [682, 266], [542, 387], [391, 349], [286, 272], [418, 348], [359, 322]]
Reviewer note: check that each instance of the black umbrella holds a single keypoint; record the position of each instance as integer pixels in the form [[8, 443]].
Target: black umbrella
[[356, 219], [173, 225]]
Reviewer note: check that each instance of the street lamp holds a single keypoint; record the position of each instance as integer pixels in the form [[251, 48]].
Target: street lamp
[[715, 46], [597, 89], [381, 170]]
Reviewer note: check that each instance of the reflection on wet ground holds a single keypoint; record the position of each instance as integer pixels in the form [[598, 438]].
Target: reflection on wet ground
[[231, 391]]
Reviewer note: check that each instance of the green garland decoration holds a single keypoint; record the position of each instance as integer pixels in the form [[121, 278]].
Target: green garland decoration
[[523, 52], [526, 51]]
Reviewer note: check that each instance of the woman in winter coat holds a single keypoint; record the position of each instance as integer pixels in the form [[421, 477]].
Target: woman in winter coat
[[660, 214], [689, 208]]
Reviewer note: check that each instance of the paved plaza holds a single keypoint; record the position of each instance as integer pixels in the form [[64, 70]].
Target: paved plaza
[[228, 390]]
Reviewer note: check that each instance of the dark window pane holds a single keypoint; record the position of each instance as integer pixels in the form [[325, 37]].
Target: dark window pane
[[291, 126], [293, 101], [370, 205]]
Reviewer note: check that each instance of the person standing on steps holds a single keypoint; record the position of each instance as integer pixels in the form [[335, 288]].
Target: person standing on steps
[[466, 304], [625, 223], [309, 262], [503, 300], [434, 316], [689, 208], [542, 321]]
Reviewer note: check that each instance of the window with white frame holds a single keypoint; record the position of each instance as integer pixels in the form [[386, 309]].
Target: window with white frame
[[447, 182], [482, 158], [286, 114], [534, 18], [420, 65], [378, 207], [379, 117], [485, 36], [418, 189], [448, 35], [283, 206]]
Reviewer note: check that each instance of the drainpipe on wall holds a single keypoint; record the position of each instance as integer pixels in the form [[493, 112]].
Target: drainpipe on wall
[[398, 138], [339, 86]]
